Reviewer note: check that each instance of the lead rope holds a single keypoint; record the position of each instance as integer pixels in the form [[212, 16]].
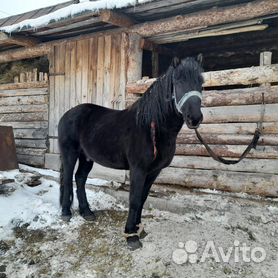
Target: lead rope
[[252, 145]]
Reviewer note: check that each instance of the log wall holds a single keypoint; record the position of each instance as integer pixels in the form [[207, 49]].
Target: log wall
[[26, 110], [230, 119]]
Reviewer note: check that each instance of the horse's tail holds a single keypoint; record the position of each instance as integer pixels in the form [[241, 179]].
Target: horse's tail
[[61, 182]]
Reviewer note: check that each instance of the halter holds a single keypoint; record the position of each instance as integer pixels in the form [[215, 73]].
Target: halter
[[185, 97]]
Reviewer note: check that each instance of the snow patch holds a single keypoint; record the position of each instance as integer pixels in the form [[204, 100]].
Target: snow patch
[[70, 11]]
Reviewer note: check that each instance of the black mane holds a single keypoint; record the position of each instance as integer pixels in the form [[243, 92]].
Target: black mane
[[156, 103]]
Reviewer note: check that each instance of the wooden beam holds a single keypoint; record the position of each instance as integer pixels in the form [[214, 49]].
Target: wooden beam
[[24, 53], [18, 40], [151, 46], [116, 18], [208, 18], [25, 85]]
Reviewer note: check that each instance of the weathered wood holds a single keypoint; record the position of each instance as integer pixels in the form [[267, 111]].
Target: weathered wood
[[35, 133], [31, 143], [252, 183], [246, 165], [116, 18], [233, 151], [250, 113], [25, 53], [23, 100], [26, 125], [30, 151], [241, 76], [23, 108], [233, 128], [18, 40], [265, 58], [100, 70], [155, 64], [24, 117], [227, 139], [33, 160], [207, 18], [106, 97], [24, 85]]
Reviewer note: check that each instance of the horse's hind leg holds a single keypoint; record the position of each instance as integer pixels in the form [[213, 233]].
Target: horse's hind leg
[[81, 175], [69, 158]]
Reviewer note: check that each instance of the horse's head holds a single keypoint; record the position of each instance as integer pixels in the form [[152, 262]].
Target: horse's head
[[187, 87]]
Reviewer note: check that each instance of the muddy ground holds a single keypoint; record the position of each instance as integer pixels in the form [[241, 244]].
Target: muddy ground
[[98, 249]]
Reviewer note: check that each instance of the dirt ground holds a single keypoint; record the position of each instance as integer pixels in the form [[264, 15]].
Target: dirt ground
[[174, 247]]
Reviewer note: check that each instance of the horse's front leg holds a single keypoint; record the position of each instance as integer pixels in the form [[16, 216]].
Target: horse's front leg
[[137, 181]]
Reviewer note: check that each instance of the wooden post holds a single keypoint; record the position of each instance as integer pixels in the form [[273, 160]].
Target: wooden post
[[265, 58], [155, 64]]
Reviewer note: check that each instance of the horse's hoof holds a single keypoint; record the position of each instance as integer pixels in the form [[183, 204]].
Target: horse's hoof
[[88, 215], [133, 243], [143, 234], [66, 218]]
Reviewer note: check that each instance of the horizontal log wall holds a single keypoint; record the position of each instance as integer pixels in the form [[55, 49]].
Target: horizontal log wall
[[26, 110], [230, 119]]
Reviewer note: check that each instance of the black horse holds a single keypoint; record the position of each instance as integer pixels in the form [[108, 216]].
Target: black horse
[[141, 138]]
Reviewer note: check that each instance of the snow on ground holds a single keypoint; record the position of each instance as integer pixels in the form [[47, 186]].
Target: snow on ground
[[34, 242], [71, 11]]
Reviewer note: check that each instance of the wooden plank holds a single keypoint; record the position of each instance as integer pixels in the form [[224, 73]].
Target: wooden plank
[[25, 85], [227, 139], [78, 74], [207, 18], [107, 97], [233, 151], [73, 57], [31, 143], [116, 72], [100, 71], [33, 160], [246, 165], [51, 59], [92, 70], [233, 128], [24, 117], [123, 71], [23, 100], [30, 151], [250, 114], [252, 183], [36, 133], [23, 108], [85, 70], [26, 125], [67, 76]]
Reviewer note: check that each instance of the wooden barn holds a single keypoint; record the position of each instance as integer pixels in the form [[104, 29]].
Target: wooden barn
[[57, 57]]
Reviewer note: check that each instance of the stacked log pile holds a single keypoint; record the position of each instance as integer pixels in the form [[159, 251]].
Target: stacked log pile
[[230, 119]]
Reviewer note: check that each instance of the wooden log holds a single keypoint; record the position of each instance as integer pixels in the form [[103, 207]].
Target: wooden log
[[241, 76], [25, 85], [33, 160], [23, 108], [26, 125], [23, 100], [245, 96], [227, 139], [18, 39], [233, 151], [116, 18], [207, 18], [30, 151], [31, 143], [252, 183], [24, 117], [232, 128], [250, 114], [246, 165], [36, 133]]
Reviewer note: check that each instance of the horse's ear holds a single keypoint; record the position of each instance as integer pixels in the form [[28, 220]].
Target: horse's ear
[[175, 62], [200, 59]]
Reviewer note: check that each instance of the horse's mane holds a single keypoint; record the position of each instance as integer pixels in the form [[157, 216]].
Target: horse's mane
[[156, 103]]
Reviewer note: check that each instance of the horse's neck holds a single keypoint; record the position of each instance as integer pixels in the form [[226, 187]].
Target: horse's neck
[[173, 123]]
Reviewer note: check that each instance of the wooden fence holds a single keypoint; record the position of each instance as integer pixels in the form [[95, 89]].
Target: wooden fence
[[25, 108], [230, 119]]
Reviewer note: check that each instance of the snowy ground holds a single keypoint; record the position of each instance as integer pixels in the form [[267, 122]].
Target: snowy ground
[[34, 242]]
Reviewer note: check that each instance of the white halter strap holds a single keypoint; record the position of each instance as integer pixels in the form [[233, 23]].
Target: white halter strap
[[185, 97]]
